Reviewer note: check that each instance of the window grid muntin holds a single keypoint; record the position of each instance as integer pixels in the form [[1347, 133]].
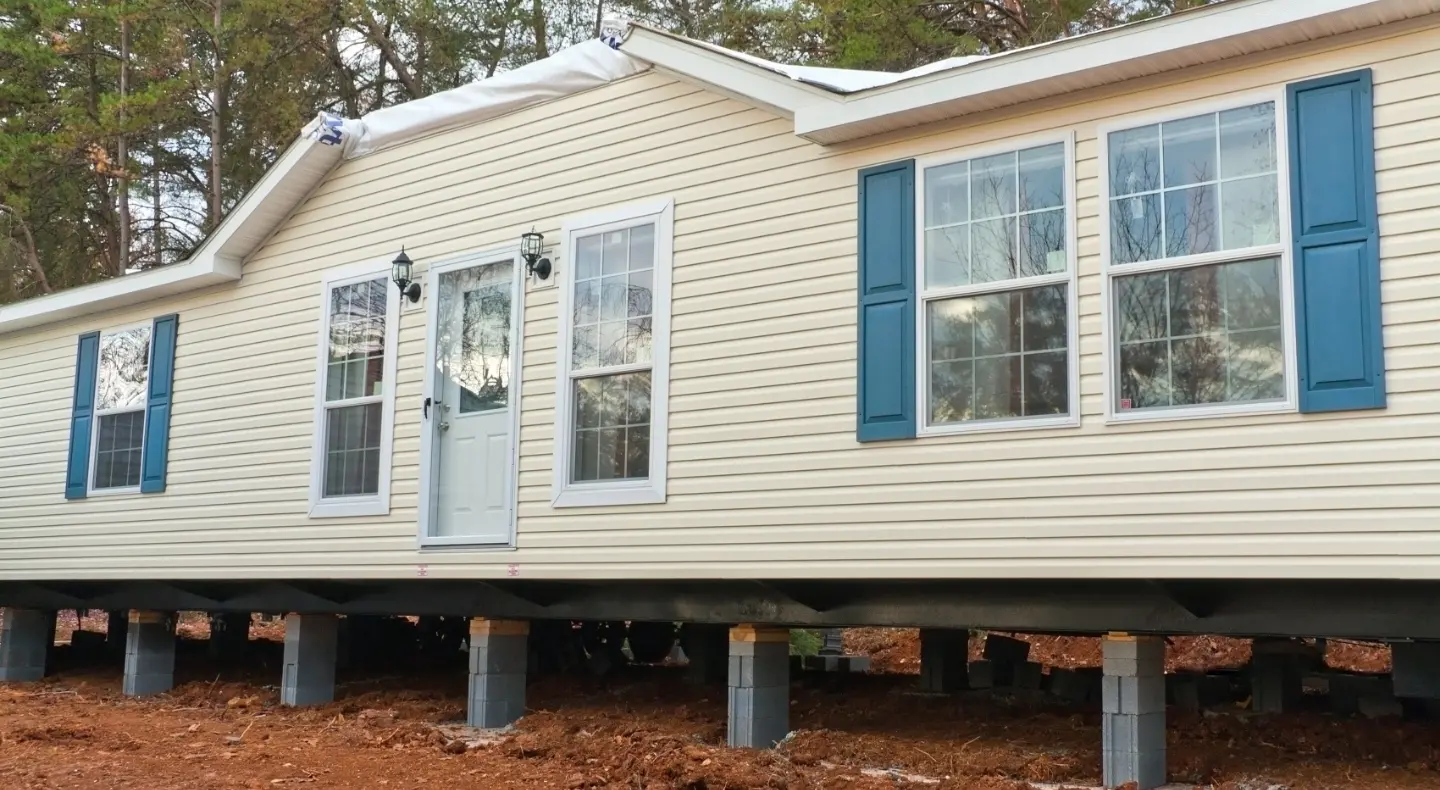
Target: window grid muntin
[[1220, 179], [1111, 271], [1065, 277], [331, 407], [1062, 208], [1223, 333], [142, 408], [577, 374]]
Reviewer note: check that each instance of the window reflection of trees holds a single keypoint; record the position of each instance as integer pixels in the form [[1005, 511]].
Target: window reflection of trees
[[357, 340], [1199, 334], [999, 355], [124, 369], [1205, 334]]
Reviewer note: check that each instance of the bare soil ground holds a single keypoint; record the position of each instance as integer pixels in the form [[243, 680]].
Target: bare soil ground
[[897, 650], [644, 729]]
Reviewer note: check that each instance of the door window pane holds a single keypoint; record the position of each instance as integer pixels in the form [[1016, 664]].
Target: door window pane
[[1201, 334], [612, 428], [473, 344], [998, 355]]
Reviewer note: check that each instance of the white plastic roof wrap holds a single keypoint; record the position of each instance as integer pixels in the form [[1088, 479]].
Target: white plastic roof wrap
[[571, 70]]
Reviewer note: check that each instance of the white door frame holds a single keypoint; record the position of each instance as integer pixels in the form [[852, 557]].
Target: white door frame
[[429, 447]]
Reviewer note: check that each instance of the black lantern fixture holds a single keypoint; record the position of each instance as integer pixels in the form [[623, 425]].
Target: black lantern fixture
[[532, 247], [400, 271]]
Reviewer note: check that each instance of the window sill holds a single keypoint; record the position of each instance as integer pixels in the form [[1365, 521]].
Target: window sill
[[100, 492], [647, 493], [1202, 412], [998, 426], [368, 506]]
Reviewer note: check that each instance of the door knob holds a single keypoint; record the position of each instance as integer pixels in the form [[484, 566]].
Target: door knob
[[444, 426]]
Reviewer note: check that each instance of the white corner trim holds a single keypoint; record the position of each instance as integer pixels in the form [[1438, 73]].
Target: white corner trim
[[377, 504], [622, 492], [1104, 56]]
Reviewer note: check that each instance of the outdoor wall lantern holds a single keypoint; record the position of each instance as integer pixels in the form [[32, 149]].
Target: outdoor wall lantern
[[400, 270], [532, 247]]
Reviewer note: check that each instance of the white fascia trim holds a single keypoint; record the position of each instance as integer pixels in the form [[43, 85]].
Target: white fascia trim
[[217, 261], [1107, 51], [744, 81]]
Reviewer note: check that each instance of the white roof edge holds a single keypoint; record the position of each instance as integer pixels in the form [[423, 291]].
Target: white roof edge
[[218, 260], [1101, 57], [742, 77]]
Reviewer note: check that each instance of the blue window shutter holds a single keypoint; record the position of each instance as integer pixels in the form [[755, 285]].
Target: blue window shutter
[[82, 417], [1337, 243], [886, 385], [157, 407]]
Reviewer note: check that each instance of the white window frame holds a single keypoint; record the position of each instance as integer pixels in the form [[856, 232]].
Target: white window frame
[[924, 295], [1281, 250], [144, 410], [661, 213], [377, 504]]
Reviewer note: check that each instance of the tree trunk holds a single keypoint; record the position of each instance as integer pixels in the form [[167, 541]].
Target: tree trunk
[[32, 255], [217, 126], [122, 149], [158, 230], [380, 37], [537, 20], [599, 16]]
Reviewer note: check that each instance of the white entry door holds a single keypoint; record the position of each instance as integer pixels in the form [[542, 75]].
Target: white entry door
[[472, 402]]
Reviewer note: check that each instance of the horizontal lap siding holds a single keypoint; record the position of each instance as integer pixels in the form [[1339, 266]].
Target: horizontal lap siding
[[765, 477]]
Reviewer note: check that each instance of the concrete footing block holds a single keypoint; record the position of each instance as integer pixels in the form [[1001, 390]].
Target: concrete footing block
[[25, 639], [1133, 702], [229, 636], [1071, 685], [117, 632], [1028, 675], [981, 674], [1275, 682], [498, 660], [311, 643], [1416, 669], [944, 656], [149, 653], [759, 687], [707, 646], [1004, 649]]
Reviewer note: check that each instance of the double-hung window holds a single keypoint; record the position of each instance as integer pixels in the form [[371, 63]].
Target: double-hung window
[[1197, 265], [612, 380], [122, 383], [996, 317], [355, 403]]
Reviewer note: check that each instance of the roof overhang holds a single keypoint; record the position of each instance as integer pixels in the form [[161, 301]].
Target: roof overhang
[[294, 176], [1189, 38], [726, 72]]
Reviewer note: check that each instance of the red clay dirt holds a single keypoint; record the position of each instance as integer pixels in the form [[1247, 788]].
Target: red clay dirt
[[645, 729], [897, 650]]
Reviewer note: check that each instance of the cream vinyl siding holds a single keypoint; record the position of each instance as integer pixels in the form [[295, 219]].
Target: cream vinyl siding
[[765, 476]]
